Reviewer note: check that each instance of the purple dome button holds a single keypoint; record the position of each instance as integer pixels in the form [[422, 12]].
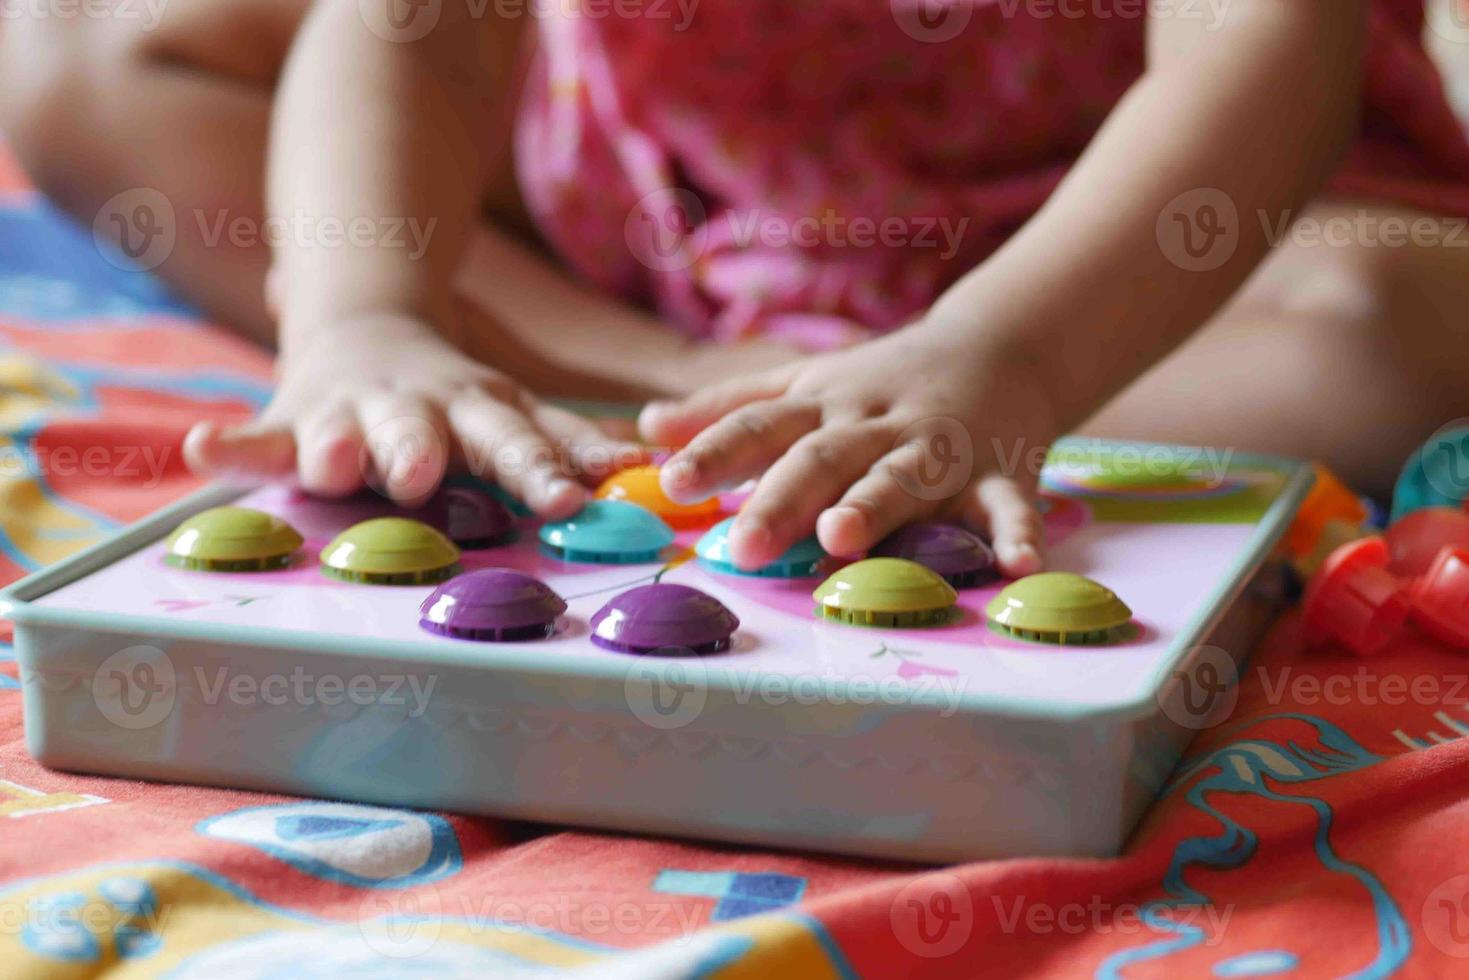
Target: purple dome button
[[471, 518], [492, 604], [959, 556], [664, 619]]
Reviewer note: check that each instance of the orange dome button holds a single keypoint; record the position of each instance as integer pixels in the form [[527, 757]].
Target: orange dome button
[[639, 485]]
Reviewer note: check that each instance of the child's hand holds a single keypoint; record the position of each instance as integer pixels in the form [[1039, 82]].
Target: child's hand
[[914, 425], [387, 398]]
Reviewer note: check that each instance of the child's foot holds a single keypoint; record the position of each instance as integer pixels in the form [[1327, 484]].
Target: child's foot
[[386, 402], [856, 444]]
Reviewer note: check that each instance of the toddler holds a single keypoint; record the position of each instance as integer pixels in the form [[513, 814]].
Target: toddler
[[825, 236]]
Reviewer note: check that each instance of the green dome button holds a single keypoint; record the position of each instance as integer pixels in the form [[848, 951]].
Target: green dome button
[[886, 592], [1059, 607], [232, 539], [390, 551]]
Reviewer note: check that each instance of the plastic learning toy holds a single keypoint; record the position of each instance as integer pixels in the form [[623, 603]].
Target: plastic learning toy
[[639, 485], [471, 518], [1441, 598], [1059, 607], [1414, 542], [232, 539], [801, 560], [958, 555], [609, 532], [886, 592], [601, 671], [390, 551], [1436, 475], [1355, 600], [666, 619], [492, 604]]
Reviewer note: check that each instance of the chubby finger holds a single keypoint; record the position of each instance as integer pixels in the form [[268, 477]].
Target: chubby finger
[[809, 477], [594, 454], [406, 442], [257, 450], [737, 447], [1007, 509], [886, 498], [501, 441], [676, 423], [329, 452]]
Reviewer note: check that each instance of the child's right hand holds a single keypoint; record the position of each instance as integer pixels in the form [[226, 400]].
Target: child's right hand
[[386, 400]]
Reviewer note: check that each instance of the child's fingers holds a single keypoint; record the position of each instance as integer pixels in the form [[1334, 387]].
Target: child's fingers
[[329, 452], [791, 494], [737, 447], [405, 439], [676, 423], [876, 505], [1015, 526], [255, 450], [501, 443], [595, 454]]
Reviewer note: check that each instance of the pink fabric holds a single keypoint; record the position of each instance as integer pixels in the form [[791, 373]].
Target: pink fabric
[[821, 170]]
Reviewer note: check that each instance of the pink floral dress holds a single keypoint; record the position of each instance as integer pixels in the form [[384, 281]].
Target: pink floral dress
[[819, 170]]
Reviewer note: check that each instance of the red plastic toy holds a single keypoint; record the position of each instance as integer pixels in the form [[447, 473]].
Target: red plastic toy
[[1441, 598], [1355, 601], [1414, 542]]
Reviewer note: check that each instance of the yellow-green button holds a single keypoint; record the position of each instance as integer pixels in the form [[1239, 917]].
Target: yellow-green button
[[232, 539], [390, 551], [886, 592], [1059, 607]]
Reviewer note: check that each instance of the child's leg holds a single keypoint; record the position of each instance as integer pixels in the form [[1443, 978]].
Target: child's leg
[[1349, 353], [96, 106], [99, 106]]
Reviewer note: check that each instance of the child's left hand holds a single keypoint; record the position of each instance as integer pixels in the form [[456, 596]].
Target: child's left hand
[[919, 424]]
